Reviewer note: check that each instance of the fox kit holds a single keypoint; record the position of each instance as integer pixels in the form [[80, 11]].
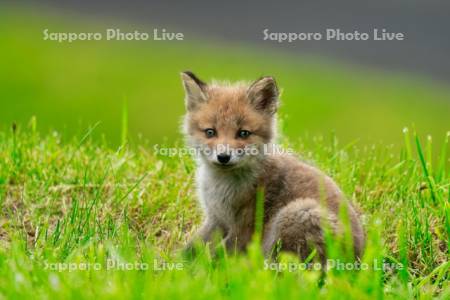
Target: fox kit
[[233, 127]]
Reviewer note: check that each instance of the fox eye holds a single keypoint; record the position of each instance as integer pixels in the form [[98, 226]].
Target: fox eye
[[244, 133], [209, 132]]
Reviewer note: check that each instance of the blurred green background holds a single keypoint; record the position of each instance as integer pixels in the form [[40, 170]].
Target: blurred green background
[[69, 86]]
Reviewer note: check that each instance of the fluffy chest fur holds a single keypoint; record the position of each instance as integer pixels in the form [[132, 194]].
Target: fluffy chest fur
[[224, 194]]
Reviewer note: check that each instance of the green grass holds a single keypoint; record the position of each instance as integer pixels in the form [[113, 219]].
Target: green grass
[[78, 201], [67, 85]]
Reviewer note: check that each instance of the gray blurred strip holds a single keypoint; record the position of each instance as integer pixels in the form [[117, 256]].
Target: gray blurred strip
[[426, 24]]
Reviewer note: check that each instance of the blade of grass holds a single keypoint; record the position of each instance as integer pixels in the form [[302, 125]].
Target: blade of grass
[[425, 169]]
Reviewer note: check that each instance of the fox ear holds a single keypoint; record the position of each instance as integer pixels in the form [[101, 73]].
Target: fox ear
[[194, 89], [263, 94]]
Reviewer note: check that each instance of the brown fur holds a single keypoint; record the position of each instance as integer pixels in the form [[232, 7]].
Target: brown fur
[[298, 197]]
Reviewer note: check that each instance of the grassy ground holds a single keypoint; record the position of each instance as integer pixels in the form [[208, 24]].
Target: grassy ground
[[70, 206]]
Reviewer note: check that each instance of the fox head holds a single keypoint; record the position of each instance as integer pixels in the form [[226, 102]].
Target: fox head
[[230, 124]]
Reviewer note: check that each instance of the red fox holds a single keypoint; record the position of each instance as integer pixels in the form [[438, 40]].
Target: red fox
[[233, 126]]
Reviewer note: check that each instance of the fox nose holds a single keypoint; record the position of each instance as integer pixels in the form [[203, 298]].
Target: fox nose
[[223, 158]]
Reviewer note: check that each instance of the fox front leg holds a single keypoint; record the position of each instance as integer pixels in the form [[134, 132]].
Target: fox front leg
[[204, 234], [238, 239], [241, 231]]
